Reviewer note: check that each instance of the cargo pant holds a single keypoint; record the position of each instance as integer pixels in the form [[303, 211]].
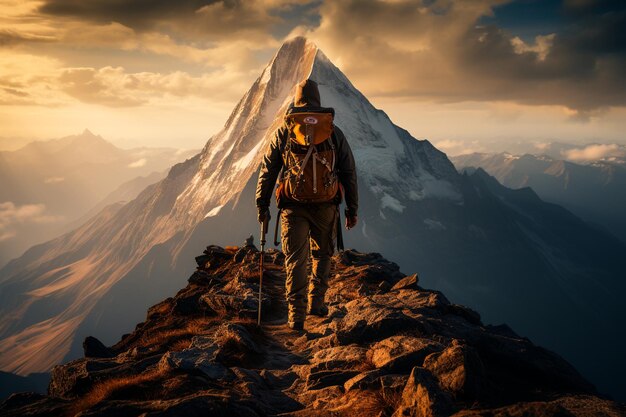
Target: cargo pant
[[307, 228]]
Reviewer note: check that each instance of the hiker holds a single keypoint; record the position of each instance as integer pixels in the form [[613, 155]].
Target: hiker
[[316, 167]]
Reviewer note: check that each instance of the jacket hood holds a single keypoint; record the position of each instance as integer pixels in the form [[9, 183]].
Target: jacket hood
[[307, 94]]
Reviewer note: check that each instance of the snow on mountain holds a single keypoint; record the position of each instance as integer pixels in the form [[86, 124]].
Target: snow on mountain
[[494, 249], [388, 167]]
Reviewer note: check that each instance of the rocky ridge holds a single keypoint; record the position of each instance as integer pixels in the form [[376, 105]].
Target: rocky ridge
[[387, 347]]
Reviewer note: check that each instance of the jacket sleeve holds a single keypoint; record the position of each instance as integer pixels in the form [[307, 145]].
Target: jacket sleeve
[[346, 170], [270, 168]]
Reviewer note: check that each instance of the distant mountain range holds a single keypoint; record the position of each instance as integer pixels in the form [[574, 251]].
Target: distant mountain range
[[48, 185], [594, 190], [505, 253]]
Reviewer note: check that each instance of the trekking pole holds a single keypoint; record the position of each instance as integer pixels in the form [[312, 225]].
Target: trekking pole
[[264, 226]]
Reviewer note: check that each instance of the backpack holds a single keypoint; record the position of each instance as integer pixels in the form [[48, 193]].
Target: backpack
[[309, 157]]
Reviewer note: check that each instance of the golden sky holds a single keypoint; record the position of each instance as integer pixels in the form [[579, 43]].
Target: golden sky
[[468, 75]]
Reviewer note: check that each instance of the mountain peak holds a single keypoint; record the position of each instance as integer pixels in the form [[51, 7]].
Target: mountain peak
[[298, 42]]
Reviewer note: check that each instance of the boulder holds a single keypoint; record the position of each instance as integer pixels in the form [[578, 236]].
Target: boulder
[[323, 379], [195, 359], [401, 353], [93, 348], [341, 354], [351, 257], [236, 346], [364, 380], [77, 377], [367, 321], [422, 397], [187, 305], [471, 316], [458, 369], [33, 405], [407, 283]]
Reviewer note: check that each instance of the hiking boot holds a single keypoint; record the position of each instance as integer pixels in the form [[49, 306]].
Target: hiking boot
[[321, 311], [296, 325]]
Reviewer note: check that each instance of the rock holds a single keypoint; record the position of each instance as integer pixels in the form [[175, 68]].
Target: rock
[[278, 258], [249, 253], [203, 260], [502, 330], [76, 378], [364, 380], [393, 382], [580, 405], [352, 257], [356, 361], [93, 348], [195, 359], [266, 399], [32, 404], [399, 354], [458, 369], [319, 401], [323, 379], [407, 283], [236, 346], [422, 397], [161, 309], [467, 313], [350, 354], [368, 321], [199, 405], [242, 302], [187, 305], [236, 333], [200, 277]]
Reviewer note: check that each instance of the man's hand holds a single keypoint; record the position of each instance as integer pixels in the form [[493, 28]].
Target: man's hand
[[351, 222], [264, 214]]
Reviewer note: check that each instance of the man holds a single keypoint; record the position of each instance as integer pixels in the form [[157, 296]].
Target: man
[[314, 163]]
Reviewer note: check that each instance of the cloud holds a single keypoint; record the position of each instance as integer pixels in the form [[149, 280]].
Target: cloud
[[457, 147], [196, 20], [138, 163], [12, 215], [107, 86], [541, 48], [31, 80], [594, 152], [6, 235], [53, 180], [27, 79], [10, 37], [438, 51], [114, 87]]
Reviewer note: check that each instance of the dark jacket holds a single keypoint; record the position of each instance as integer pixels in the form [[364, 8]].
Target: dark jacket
[[273, 162]]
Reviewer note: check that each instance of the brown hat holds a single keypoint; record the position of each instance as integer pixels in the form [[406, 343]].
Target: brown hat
[[307, 94]]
